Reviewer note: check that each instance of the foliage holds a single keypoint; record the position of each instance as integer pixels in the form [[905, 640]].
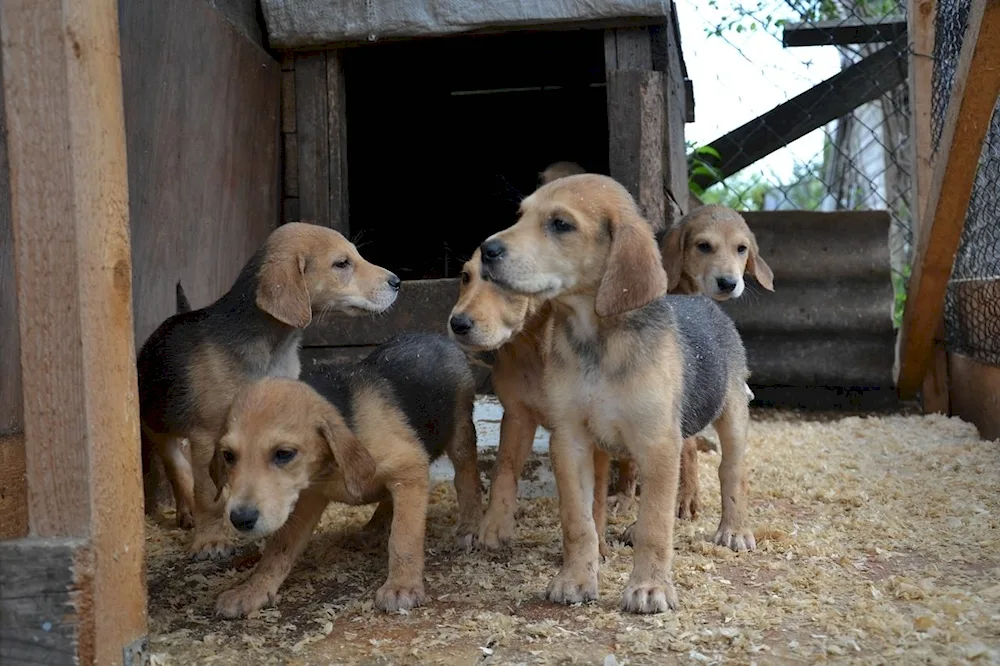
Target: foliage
[[772, 15], [899, 281]]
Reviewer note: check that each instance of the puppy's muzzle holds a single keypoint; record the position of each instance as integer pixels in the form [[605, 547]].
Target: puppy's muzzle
[[244, 518], [492, 252], [460, 323], [394, 281], [725, 284]]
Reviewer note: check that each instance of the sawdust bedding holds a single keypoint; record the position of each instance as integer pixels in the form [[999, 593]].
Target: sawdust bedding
[[878, 543]]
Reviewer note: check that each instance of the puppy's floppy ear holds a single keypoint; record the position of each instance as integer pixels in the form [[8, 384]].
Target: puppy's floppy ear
[[673, 254], [219, 472], [353, 459], [281, 289], [633, 276], [757, 267]]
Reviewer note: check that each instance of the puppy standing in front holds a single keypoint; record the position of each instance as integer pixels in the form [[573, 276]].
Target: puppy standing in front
[[581, 244], [191, 367]]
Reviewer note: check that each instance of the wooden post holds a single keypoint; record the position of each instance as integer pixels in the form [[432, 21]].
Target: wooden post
[[972, 99], [920, 18], [321, 139], [636, 120], [74, 591]]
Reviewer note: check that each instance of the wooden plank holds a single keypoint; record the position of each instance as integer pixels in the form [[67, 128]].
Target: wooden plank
[[337, 141], [290, 170], [973, 97], [920, 18], [203, 157], [288, 102], [635, 132], [42, 585], [13, 488], [837, 96], [845, 31], [975, 394], [311, 118], [668, 58], [627, 48], [422, 305], [10, 339], [62, 81]]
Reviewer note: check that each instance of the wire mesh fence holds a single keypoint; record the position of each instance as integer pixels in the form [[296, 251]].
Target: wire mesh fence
[[818, 113], [972, 302]]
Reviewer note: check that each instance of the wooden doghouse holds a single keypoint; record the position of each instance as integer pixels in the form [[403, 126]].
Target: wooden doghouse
[[445, 118]]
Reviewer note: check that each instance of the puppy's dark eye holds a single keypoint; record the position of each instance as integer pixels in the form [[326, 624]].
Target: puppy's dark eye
[[561, 226], [342, 263], [229, 457], [705, 247], [466, 277], [284, 456], [741, 249]]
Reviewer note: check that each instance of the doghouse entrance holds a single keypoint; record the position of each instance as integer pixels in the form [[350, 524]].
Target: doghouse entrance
[[445, 136]]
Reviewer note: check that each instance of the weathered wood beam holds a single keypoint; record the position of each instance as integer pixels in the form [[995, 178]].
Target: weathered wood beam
[[972, 101], [65, 135], [844, 32]]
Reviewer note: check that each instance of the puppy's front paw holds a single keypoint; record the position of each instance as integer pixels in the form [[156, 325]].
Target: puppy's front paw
[[496, 529], [211, 545], [687, 504], [573, 586], [243, 600], [621, 503], [734, 539], [392, 597], [185, 519], [465, 540], [649, 598]]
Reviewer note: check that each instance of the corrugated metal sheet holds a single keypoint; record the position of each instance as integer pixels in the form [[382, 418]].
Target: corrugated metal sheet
[[829, 320]]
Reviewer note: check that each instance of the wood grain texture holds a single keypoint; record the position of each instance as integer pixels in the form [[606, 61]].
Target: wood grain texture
[[678, 100], [202, 111], [636, 130], [41, 584], [975, 394], [10, 338], [69, 188], [13, 486], [311, 118], [975, 88], [422, 305], [336, 124]]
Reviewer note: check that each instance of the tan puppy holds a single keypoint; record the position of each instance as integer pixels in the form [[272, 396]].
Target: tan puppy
[[628, 370], [192, 366], [706, 252], [358, 435], [558, 170]]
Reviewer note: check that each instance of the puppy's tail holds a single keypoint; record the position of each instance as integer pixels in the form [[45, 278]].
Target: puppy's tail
[[183, 305]]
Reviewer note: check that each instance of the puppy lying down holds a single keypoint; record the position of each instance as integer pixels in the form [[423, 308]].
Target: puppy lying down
[[357, 435]]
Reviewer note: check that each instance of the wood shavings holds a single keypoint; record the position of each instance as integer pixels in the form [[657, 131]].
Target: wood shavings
[[877, 543]]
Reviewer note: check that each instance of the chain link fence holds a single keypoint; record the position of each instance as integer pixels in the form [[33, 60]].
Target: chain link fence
[[836, 131], [972, 303]]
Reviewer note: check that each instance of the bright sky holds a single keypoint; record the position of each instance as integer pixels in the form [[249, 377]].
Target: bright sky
[[740, 76]]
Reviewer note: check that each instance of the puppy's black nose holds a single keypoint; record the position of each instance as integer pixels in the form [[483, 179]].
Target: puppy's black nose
[[492, 250], [725, 284], [461, 323], [244, 518], [394, 281]]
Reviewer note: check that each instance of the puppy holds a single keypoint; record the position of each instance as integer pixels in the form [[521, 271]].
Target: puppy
[[558, 170], [629, 369], [194, 363], [359, 435], [706, 252]]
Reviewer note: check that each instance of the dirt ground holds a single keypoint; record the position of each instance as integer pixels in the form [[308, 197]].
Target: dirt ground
[[878, 542]]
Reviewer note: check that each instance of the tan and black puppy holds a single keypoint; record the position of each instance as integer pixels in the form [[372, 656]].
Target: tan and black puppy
[[707, 252], [191, 367], [629, 369], [358, 435]]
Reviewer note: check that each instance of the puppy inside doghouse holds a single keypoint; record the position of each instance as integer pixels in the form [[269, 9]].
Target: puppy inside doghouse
[[192, 366], [354, 435]]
